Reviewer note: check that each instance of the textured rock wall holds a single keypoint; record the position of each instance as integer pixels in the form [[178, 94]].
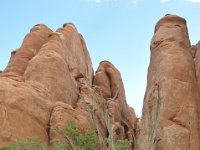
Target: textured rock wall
[[42, 85], [122, 116], [29, 48], [46, 77], [24, 110], [170, 111]]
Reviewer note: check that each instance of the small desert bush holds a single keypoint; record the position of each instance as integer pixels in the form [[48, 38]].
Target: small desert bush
[[122, 145], [25, 144], [82, 142]]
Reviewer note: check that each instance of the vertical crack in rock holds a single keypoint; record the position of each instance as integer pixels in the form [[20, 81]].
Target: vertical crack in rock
[[154, 141]]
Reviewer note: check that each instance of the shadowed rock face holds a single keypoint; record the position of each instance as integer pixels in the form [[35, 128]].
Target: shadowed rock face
[[170, 110], [42, 83]]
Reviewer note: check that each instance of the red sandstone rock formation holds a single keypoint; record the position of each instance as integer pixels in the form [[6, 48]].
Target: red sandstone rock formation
[[108, 78], [49, 80], [43, 84], [33, 41], [170, 111], [122, 117]]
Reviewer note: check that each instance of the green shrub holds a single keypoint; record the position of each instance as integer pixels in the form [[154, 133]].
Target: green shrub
[[25, 144], [122, 145], [157, 147], [59, 146], [82, 142]]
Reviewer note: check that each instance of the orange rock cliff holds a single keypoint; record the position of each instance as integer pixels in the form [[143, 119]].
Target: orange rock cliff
[[170, 117], [49, 81]]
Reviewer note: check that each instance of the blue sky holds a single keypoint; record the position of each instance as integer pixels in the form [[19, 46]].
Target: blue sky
[[119, 31]]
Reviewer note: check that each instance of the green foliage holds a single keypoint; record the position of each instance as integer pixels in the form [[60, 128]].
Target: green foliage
[[73, 133], [60, 146], [25, 144], [136, 147], [88, 141], [157, 147], [122, 145], [82, 142]]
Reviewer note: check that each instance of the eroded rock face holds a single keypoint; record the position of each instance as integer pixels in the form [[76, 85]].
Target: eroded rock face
[[108, 78], [63, 114], [25, 109], [29, 48], [170, 111], [122, 117], [44, 70], [61, 61], [43, 84]]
